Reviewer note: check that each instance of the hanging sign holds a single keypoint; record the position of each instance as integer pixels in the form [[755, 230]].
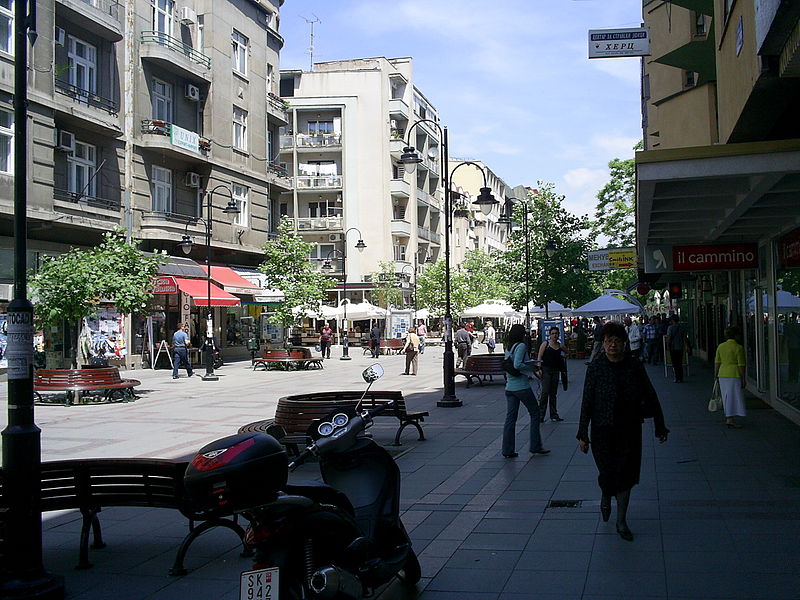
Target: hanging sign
[[165, 285], [789, 249], [613, 43], [714, 257], [612, 258]]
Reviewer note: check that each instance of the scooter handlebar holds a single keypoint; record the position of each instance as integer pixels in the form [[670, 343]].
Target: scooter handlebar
[[376, 411], [301, 458]]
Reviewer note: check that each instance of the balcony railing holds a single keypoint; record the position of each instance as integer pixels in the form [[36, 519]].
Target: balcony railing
[[277, 102], [277, 170], [305, 140], [84, 200], [86, 97], [159, 127], [170, 217], [286, 141], [427, 234], [318, 223], [311, 182], [162, 39], [108, 7]]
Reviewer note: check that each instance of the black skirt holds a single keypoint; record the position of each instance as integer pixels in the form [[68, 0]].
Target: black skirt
[[617, 452]]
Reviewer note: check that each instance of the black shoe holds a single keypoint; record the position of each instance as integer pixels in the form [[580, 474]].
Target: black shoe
[[540, 451], [556, 418], [174, 376], [512, 455], [625, 533], [605, 509]]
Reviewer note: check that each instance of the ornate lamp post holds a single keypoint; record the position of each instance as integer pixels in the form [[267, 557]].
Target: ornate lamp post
[[550, 250], [186, 245], [410, 158], [360, 245]]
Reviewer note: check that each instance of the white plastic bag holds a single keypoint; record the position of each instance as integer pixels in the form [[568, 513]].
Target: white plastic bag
[[715, 403]]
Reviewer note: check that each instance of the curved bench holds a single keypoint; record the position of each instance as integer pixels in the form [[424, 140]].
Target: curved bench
[[481, 366], [80, 381], [299, 358]]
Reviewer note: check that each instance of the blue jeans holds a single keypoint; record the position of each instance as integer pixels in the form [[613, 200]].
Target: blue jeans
[[513, 399], [180, 358]]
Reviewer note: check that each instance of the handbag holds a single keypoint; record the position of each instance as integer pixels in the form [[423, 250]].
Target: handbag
[[715, 403]]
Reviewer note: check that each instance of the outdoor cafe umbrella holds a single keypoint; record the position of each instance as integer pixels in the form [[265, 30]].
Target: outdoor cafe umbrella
[[490, 308], [605, 306], [786, 302], [553, 309]]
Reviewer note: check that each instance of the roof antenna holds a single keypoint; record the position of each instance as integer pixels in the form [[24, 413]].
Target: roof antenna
[[311, 22]]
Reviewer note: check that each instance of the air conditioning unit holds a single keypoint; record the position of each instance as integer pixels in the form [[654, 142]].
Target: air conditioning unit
[[334, 237], [192, 180], [60, 36], [187, 16], [65, 141], [6, 291], [192, 92]]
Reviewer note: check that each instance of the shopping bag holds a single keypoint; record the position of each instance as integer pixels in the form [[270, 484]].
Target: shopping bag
[[715, 403]]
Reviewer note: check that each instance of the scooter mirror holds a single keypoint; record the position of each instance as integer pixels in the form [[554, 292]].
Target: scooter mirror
[[372, 373]]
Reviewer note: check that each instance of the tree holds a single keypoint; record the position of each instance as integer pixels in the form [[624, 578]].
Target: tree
[[481, 278], [564, 277], [386, 292], [69, 287], [287, 268]]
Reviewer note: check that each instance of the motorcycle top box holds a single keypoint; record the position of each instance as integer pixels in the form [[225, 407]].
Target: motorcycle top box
[[237, 472]]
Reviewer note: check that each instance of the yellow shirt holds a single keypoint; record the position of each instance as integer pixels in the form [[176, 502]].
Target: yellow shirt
[[730, 356]]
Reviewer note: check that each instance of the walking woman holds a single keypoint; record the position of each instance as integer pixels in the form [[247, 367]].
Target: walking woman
[[518, 389], [729, 368], [551, 353], [617, 394]]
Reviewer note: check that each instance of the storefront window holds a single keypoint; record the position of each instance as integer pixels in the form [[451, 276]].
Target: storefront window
[[787, 298]]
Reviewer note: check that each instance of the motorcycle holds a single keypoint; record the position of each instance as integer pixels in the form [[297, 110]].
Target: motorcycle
[[341, 539]]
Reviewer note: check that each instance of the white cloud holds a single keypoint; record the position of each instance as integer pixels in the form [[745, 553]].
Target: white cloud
[[580, 189], [627, 70]]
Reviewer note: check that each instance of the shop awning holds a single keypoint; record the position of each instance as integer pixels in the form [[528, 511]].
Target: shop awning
[[198, 290], [180, 266], [231, 281], [265, 295]]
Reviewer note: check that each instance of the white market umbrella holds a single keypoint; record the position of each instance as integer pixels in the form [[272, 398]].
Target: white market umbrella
[[423, 313], [362, 311], [786, 302], [606, 305], [553, 309], [491, 308], [323, 312]]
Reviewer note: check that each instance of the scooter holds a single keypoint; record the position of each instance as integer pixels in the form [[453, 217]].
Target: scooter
[[340, 539]]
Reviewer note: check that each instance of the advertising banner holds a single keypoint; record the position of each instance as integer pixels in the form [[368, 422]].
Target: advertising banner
[[614, 43], [612, 258]]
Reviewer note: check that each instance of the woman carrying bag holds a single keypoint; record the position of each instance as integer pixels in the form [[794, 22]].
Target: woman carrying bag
[[729, 368]]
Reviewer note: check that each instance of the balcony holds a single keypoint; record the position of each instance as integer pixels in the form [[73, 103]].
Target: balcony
[[318, 141], [100, 17], [398, 109], [277, 108], [279, 176], [401, 227], [396, 142], [400, 188], [173, 55], [286, 143], [174, 141], [320, 182], [87, 202], [77, 107], [428, 235], [318, 223]]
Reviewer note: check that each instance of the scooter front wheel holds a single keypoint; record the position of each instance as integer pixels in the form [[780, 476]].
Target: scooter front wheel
[[412, 572]]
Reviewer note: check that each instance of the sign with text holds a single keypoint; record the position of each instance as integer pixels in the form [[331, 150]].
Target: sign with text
[[614, 43], [183, 138], [714, 257], [789, 249], [165, 285], [612, 258]]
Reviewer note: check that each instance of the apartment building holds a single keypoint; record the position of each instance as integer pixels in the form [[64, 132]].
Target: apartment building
[[472, 229], [349, 121], [143, 113], [718, 181]]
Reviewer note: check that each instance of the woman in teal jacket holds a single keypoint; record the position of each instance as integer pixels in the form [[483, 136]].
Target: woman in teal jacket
[[518, 389]]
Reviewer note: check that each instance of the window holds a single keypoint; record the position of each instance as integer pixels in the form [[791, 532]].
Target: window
[[320, 127], [270, 78], [162, 11], [162, 100], [399, 252], [699, 24], [240, 129], [82, 67], [239, 54], [7, 26], [726, 9], [201, 32], [6, 141], [81, 170], [240, 196], [161, 190], [322, 209], [689, 78], [321, 252]]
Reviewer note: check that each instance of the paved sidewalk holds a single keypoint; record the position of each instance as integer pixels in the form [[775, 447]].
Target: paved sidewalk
[[717, 514]]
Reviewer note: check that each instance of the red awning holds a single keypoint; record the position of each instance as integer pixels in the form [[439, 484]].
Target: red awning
[[231, 281], [198, 290]]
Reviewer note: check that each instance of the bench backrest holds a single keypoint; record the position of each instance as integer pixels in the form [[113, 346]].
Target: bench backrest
[[484, 362], [296, 413], [300, 352], [276, 354], [393, 343], [71, 377]]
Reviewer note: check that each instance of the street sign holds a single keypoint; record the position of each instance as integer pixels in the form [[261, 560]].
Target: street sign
[[612, 258], [613, 43]]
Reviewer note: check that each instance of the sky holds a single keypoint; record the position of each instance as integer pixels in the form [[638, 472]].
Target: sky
[[510, 78]]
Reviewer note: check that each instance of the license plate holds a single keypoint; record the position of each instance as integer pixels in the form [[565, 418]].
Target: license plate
[[260, 584]]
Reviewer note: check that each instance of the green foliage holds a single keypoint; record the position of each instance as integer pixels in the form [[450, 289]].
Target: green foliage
[[386, 292], [564, 277], [431, 288], [614, 213], [288, 269]]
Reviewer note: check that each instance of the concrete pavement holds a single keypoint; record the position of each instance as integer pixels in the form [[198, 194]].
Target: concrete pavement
[[717, 514]]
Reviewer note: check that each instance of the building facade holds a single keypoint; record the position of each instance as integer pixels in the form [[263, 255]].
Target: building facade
[[349, 121], [718, 182], [149, 115]]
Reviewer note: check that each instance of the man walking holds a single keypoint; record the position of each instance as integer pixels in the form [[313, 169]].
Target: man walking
[[677, 340], [180, 351], [463, 342], [375, 340], [649, 331]]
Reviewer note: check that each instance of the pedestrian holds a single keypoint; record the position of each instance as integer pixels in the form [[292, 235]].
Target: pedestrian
[[470, 327], [634, 337], [597, 346], [411, 350], [677, 342], [463, 342], [551, 353], [617, 394], [325, 338], [729, 368], [375, 340], [489, 337], [649, 337], [422, 333], [180, 351], [661, 332], [518, 390]]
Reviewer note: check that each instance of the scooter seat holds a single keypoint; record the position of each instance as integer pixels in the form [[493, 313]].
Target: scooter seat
[[320, 493]]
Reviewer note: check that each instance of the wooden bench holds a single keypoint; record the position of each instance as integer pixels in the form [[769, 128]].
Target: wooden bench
[[388, 346], [82, 381], [295, 414], [287, 359], [91, 484], [481, 366]]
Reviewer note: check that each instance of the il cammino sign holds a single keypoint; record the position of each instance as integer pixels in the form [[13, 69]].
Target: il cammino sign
[[714, 257]]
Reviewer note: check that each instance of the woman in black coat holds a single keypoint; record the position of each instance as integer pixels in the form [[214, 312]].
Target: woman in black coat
[[617, 396]]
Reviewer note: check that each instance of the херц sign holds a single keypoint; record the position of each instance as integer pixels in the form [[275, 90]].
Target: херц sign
[[612, 43]]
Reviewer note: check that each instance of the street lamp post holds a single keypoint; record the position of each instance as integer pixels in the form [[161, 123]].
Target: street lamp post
[[410, 158], [360, 245], [550, 250], [186, 245]]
